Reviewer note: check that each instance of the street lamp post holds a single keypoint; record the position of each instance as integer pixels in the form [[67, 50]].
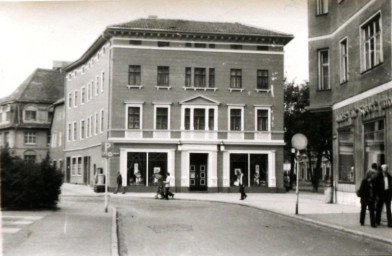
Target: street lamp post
[[299, 142]]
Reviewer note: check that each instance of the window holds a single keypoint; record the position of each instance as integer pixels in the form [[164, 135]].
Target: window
[[163, 76], [235, 119], [163, 44], [211, 119], [162, 118], [88, 92], [323, 70], [200, 77], [96, 123], [211, 78], [262, 79], [30, 138], [48, 138], [133, 117], [200, 45], [199, 119], [83, 96], [82, 129], [262, 120], [69, 100], [211, 45], [321, 7], [187, 119], [371, 44], [91, 90], [30, 156], [80, 165], [102, 81], [343, 61], [374, 133], [134, 75], [346, 155], [135, 42], [188, 44], [74, 166], [74, 131], [102, 120], [69, 132], [97, 85], [235, 78], [75, 98], [30, 115], [188, 77], [236, 46], [88, 127]]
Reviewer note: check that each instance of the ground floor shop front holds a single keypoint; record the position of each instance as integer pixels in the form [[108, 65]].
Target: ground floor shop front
[[198, 167], [362, 131]]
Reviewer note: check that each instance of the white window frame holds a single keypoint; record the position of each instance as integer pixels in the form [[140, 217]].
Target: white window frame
[[88, 127], [321, 7], [139, 105], [269, 118], [30, 108], [75, 134], [69, 100], [321, 86], [31, 138], [168, 107], [75, 95], [82, 136], [83, 95], [343, 61], [102, 80], [191, 113], [362, 45], [92, 88], [97, 85], [91, 126], [96, 126], [229, 117], [102, 121], [69, 132]]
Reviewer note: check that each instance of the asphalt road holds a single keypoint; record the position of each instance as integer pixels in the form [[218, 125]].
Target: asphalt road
[[179, 227]]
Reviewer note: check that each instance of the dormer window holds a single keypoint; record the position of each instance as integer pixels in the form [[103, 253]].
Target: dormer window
[[31, 115]]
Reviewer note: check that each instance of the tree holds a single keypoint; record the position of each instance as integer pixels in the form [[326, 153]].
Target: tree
[[26, 185], [317, 127]]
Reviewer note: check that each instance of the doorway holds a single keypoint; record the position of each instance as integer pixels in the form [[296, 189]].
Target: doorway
[[198, 172]]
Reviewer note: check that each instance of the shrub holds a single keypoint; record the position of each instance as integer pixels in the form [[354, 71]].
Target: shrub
[[26, 185]]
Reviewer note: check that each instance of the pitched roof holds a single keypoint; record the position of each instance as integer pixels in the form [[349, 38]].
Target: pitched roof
[[43, 85], [197, 27]]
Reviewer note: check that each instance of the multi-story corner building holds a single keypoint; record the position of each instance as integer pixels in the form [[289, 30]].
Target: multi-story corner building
[[25, 116], [350, 68], [196, 99], [57, 140]]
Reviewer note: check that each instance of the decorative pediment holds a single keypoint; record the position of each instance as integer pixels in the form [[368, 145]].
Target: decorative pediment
[[199, 100]]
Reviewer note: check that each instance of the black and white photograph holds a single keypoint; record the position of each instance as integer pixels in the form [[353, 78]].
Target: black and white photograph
[[195, 127]]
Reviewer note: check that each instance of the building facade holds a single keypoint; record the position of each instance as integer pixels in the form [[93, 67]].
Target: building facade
[[197, 99], [57, 140], [25, 115], [350, 68]]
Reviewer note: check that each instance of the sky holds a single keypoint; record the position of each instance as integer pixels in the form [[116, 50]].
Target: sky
[[36, 33]]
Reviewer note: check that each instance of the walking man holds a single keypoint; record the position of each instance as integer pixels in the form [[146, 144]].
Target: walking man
[[242, 186], [119, 184], [384, 194], [367, 194]]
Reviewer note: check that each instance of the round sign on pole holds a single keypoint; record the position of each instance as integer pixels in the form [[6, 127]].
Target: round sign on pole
[[299, 141]]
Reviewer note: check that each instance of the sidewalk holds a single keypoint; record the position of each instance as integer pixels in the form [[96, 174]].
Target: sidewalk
[[312, 209]]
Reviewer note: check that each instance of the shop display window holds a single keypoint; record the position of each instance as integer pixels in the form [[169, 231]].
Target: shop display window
[[346, 155], [374, 135]]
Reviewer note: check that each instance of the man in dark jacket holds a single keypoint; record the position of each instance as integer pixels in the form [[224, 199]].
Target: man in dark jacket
[[367, 194], [119, 184], [383, 194]]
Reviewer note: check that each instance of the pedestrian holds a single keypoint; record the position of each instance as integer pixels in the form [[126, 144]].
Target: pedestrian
[[384, 194], [167, 187], [366, 192], [286, 178], [159, 180], [119, 184], [241, 184]]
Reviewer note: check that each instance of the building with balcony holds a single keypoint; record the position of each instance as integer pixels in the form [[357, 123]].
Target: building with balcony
[[196, 99], [350, 72], [25, 115]]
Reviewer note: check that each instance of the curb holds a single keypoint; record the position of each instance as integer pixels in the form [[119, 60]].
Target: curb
[[114, 232], [307, 221]]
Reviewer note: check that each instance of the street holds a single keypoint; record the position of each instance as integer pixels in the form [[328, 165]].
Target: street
[[178, 227]]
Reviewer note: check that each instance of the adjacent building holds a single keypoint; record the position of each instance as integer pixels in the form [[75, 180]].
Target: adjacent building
[[57, 140], [25, 115], [350, 72], [201, 100]]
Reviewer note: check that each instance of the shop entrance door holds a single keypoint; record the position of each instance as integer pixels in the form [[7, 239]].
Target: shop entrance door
[[198, 172]]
